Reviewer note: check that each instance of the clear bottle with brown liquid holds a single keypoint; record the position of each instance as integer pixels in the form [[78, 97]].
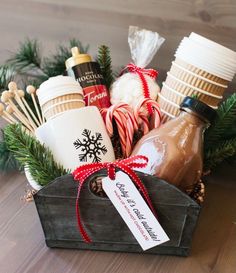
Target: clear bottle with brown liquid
[[175, 150]]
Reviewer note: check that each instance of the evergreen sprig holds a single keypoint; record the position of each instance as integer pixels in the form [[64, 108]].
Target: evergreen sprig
[[216, 155], [224, 126], [7, 160], [6, 75], [29, 152], [104, 60], [55, 64], [27, 57]]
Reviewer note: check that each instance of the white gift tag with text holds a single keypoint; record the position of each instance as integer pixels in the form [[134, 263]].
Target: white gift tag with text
[[135, 212]]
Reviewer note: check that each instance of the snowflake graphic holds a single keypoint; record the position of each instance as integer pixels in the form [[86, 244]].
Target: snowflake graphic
[[90, 146]]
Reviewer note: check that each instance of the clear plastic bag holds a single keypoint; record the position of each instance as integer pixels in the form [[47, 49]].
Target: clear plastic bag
[[143, 45]]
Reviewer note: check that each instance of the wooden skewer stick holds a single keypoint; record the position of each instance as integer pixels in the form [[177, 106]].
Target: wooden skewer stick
[[18, 95], [6, 114], [30, 110], [5, 98], [31, 90], [10, 113], [3, 115]]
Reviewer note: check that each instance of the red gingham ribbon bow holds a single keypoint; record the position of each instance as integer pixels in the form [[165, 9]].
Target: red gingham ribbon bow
[[141, 72], [125, 165]]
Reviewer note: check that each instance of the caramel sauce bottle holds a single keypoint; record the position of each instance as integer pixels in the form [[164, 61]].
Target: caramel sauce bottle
[[175, 150], [89, 75]]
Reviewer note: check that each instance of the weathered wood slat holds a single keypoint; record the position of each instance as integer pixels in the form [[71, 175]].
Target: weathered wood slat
[[55, 203]]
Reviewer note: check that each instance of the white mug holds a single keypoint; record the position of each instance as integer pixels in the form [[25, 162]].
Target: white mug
[[77, 137]]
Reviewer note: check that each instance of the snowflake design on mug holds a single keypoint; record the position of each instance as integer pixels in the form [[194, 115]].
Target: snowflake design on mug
[[90, 147]]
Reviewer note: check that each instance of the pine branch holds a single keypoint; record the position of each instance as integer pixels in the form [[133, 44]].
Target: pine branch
[[216, 155], [6, 75], [27, 57], [7, 160], [224, 126], [29, 152], [104, 60], [55, 64]]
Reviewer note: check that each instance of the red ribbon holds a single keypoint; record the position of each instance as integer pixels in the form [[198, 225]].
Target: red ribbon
[[125, 165], [141, 72]]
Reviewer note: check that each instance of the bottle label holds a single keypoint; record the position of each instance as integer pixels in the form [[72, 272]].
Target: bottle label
[[90, 78]]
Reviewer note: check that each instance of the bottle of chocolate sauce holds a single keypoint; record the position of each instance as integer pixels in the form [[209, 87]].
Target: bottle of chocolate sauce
[[88, 74], [175, 150]]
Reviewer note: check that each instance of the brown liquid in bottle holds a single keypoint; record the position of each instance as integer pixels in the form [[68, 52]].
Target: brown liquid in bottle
[[175, 150]]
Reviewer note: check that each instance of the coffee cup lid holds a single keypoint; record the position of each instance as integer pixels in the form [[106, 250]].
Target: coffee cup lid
[[58, 86]]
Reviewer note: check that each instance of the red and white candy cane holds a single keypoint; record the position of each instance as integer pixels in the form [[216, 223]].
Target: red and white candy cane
[[131, 126], [126, 123], [143, 117]]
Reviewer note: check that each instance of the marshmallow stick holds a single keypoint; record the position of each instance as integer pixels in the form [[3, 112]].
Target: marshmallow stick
[[18, 96], [31, 90], [6, 98], [30, 111], [2, 114], [6, 114], [5, 118]]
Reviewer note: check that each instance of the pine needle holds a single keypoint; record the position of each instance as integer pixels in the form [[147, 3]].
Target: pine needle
[[104, 60], [55, 64], [6, 75], [217, 154], [27, 57], [224, 126], [29, 152], [7, 160]]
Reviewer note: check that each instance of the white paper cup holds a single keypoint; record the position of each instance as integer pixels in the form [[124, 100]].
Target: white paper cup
[[203, 65], [205, 58], [216, 57], [200, 72], [202, 50], [196, 80], [200, 60], [58, 95], [189, 90], [77, 137], [222, 50], [177, 97]]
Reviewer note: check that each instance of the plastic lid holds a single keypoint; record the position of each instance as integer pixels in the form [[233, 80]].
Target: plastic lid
[[77, 58], [58, 86], [200, 108]]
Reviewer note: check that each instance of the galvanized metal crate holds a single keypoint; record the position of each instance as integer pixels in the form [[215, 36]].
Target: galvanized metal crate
[[55, 203]]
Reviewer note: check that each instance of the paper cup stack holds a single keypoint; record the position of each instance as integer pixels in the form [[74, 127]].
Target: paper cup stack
[[202, 68], [59, 94]]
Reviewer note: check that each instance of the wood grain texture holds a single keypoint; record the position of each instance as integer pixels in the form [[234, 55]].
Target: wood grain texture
[[22, 247], [177, 214], [22, 240]]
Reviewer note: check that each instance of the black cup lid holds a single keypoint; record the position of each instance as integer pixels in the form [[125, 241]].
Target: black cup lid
[[199, 107]]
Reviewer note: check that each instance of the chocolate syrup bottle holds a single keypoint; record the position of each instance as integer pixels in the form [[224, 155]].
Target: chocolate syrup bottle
[[88, 74]]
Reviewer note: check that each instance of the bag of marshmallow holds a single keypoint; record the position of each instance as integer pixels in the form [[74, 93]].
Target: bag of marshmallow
[[139, 82]]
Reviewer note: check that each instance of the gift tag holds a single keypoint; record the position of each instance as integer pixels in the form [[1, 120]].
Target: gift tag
[[134, 211]]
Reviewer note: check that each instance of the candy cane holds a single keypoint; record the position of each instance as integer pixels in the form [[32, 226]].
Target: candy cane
[[141, 116], [144, 117], [126, 123], [108, 115]]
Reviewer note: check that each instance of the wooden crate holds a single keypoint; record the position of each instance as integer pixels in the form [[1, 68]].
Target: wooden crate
[[55, 203]]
